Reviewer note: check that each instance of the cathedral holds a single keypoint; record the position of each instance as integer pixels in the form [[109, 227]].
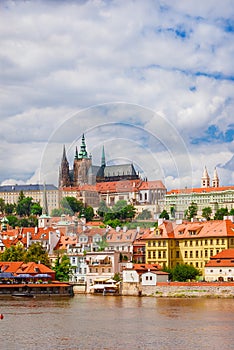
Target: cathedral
[[84, 172]]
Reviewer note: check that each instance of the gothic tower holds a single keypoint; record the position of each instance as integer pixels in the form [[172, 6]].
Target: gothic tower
[[215, 181], [64, 178], [82, 163], [205, 180]]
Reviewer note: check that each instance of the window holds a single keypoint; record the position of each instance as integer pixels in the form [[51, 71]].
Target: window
[[164, 254], [205, 241], [154, 254], [159, 254], [185, 243], [177, 254], [191, 243], [197, 264], [197, 243], [197, 254], [149, 255], [217, 241], [177, 243], [206, 253], [149, 244], [191, 254], [211, 241], [211, 252], [185, 254]]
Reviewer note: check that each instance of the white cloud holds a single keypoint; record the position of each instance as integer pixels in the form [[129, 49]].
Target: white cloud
[[59, 58]]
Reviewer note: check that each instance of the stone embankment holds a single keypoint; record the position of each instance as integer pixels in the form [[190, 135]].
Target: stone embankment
[[190, 290]]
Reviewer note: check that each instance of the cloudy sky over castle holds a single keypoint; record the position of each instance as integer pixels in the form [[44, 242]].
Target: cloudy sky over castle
[[152, 81]]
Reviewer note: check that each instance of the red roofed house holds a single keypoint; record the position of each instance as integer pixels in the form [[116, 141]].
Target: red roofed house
[[221, 266], [138, 278]]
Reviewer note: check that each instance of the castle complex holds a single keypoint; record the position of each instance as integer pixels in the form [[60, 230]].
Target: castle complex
[[84, 172]]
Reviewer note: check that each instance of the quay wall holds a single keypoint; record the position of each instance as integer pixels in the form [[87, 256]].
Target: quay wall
[[181, 289]]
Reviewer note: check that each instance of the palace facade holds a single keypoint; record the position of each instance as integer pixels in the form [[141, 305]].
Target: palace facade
[[210, 194]]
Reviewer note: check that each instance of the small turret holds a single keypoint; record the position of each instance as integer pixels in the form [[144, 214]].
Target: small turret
[[205, 180], [215, 181]]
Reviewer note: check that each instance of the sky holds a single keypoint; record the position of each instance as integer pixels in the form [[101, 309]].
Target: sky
[[152, 81]]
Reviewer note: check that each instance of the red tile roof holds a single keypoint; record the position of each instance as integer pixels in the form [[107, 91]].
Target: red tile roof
[[201, 190]]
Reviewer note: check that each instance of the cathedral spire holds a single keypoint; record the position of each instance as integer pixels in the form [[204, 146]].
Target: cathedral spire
[[64, 157], [103, 160], [64, 178], [83, 153]]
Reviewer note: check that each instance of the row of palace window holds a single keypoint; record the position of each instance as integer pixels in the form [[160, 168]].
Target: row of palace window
[[195, 254], [161, 254], [191, 243], [160, 244]]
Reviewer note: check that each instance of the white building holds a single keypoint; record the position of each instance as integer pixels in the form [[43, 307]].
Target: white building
[[220, 267]]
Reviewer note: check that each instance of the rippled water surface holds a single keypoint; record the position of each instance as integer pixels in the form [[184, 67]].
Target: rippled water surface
[[103, 322]]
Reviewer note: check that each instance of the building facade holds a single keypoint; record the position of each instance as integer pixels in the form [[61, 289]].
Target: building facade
[[210, 194], [10, 194], [192, 243]]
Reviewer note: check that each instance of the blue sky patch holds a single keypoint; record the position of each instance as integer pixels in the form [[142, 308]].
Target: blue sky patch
[[213, 134]]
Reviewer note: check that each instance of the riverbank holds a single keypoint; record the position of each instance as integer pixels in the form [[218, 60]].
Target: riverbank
[[190, 290], [174, 290]]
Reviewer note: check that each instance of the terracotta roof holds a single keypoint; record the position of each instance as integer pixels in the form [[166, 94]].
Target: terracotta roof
[[18, 267], [146, 267], [201, 190]]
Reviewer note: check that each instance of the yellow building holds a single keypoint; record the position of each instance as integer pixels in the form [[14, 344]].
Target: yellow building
[[188, 243]]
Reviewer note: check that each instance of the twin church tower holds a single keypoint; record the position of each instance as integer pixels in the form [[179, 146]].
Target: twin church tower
[[84, 172]]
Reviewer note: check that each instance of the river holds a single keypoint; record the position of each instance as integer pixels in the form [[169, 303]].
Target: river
[[120, 323]]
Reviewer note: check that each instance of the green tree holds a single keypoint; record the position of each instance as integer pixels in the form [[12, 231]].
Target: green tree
[[183, 272], [191, 212], [144, 215], [9, 208], [102, 209], [206, 213], [12, 220], [56, 212], [88, 213], [23, 207], [23, 222], [231, 212], [37, 253], [119, 206], [36, 209], [113, 223], [2, 206], [13, 253], [71, 203], [220, 213], [21, 196], [32, 221], [62, 268], [164, 215]]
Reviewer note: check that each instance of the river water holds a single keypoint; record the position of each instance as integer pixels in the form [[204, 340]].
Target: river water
[[120, 323]]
